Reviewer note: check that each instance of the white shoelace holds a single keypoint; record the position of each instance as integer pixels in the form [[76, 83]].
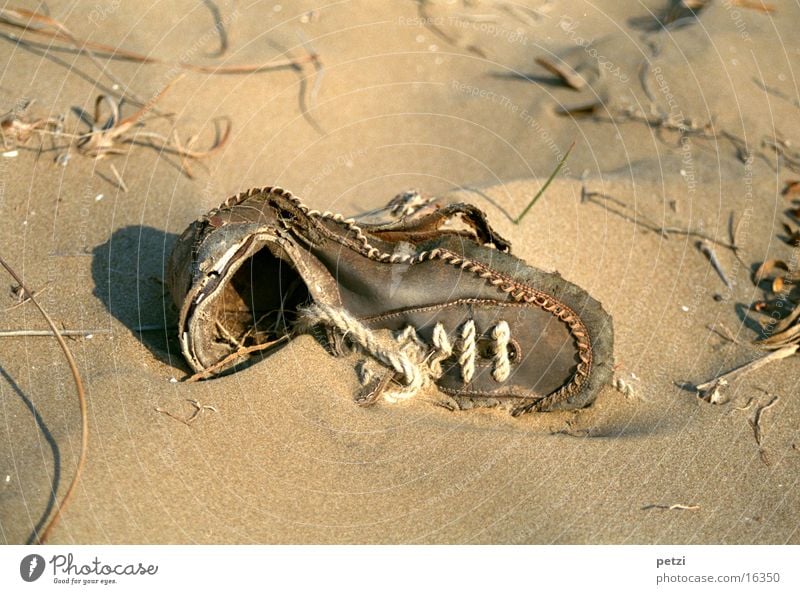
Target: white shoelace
[[412, 359]]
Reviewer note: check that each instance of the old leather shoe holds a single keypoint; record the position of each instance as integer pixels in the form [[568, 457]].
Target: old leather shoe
[[481, 324]]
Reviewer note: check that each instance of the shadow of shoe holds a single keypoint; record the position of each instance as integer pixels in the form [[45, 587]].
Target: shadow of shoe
[[128, 272]]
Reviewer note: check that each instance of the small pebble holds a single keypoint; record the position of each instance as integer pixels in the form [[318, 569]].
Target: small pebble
[[172, 380], [98, 198], [684, 308], [10, 154]]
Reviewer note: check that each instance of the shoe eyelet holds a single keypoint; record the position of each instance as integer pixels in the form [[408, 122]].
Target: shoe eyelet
[[485, 348]]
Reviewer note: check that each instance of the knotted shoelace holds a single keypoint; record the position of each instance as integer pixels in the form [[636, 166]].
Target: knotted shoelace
[[415, 362]]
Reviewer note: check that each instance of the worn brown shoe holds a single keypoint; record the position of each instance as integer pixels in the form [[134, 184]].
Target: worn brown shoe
[[482, 325]]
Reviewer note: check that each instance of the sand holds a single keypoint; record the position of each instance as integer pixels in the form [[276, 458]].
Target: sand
[[455, 107]]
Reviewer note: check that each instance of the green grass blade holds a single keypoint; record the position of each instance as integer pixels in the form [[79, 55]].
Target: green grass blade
[[547, 183]]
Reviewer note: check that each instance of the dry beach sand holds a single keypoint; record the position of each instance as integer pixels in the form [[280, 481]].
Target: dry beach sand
[[446, 97]]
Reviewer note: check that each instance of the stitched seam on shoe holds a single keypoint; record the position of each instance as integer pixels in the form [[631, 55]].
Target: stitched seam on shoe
[[444, 304], [515, 289], [546, 302]]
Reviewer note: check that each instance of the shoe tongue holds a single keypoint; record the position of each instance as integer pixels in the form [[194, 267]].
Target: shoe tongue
[[454, 220]]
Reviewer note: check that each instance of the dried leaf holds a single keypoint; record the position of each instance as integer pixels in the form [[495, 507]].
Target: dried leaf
[[777, 284], [793, 238], [778, 340], [754, 5], [791, 189], [759, 306], [787, 322], [767, 267]]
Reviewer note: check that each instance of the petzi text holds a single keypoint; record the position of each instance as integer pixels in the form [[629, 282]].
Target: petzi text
[[671, 561]]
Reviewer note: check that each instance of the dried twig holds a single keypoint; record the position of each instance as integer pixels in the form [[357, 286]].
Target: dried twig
[[198, 410], [12, 17], [724, 333], [674, 506], [22, 18], [785, 334], [107, 134], [579, 433], [23, 298], [219, 26], [644, 80], [186, 150], [661, 121], [13, 333], [755, 422], [563, 71], [776, 92], [641, 221], [100, 140], [782, 353], [233, 356], [733, 232], [42, 538], [119, 179], [709, 253], [583, 108], [308, 94], [783, 149]]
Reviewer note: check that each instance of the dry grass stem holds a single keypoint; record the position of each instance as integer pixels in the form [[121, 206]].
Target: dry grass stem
[[242, 351], [787, 351], [45, 534]]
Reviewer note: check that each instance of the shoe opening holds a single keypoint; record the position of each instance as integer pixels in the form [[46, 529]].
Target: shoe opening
[[259, 303]]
